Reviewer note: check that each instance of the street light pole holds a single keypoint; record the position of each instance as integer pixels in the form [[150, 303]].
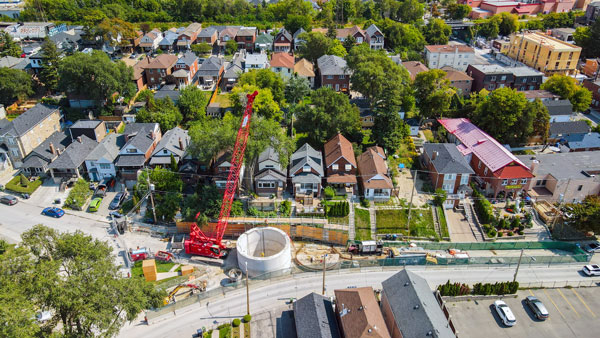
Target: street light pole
[[151, 188], [247, 291], [324, 259], [518, 265]]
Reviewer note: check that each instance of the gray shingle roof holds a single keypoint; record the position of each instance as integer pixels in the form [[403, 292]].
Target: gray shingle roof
[[170, 141], [207, 32], [9, 61], [571, 127], [188, 58], [414, 307], [448, 160], [583, 141], [30, 118], [298, 32], [559, 107], [211, 66], [270, 174], [268, 154], [372, 30], [59, 140], [74, 154], [86, 124], [34, 161], [108, 148], [306, 155], [314, 317], [564, 165], [142, 139], [170, 93], [285, 33], [264, 38], [332, 65], [234, 68], [130, 161]]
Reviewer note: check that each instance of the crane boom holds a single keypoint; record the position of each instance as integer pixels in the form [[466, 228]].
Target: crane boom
[[212, 246]]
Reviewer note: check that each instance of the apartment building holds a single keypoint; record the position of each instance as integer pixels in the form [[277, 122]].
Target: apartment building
[[455, 56], [544, 53]]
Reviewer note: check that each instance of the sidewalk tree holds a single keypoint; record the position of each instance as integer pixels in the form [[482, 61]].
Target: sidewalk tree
[[15, 84], [568, 89], [49, 73]]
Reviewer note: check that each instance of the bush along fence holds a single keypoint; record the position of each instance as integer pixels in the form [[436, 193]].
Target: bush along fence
[[484, 289]]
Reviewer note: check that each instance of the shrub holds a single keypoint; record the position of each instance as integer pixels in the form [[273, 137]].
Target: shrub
[[247, 318], [454, 289], [440, 197], [483, 207], [236, 322], [498, 288], [515, 223], [364, 202], [285, 208], [510, 233], [329, 192], [500, 234], [492, 233], [520, 232], [24, 180]]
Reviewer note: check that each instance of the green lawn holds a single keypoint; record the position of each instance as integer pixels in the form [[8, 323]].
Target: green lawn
[[136, 270], [338, 220], [428, 135], [443, 223], [394, 222], [362, 224], [223, 100]]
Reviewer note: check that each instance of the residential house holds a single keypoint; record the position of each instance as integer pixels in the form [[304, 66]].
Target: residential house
[[340, 165], [414, 68], [374, 37], [490, 77], [559, 130], [526, 78], [342, 34], [592, 12], [186, 69], [305, 69], [220, 170], [173, 143], [264, 42], [100, 163], [233, 70], [228, 33], [283, 41], [132, 44], [139, 74], [141, 139], [256, 61], [188, 36], [497, 171], [15, 63], [23, 134], [167, 43], [559, 110], [591, 68], [297, 41], [169, 91], [315, 318], [36, 62], [581, 142], [210, 71], [306, 171], [448, 170], [459, 80], [358, 314], [413, 126], [594, 87], [542, 95], [70, 164], [66, 41], [159, 68], [245, 38], [564, 34], [150, 42], [269, 178], [334, 73], [367, 118], [544, 53], [410, 308], [282, 64], [38, 160], [94, 129], [208, 35], [373, 174], [456, 56], [576, 177], [11, 9]]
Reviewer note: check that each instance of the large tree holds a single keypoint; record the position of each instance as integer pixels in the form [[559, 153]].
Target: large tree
[[295, 22], [163, 112], [192, 104], [49, 72], [314, 45], [568, 89], [389, 130], [402, 37], [508, 24], [8, 47], [437, 32], [586, 215], [265, 78], [409, 11], [433, 93], [115, 31], [296, 89], [264, 104], [455, 11], [14, 84]]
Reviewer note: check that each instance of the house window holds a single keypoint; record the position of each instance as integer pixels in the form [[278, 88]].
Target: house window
[[479, 165], [334, 167], [448, 177], [269, 166], [341, 77], [514, 181], [523, 181], [464, 179], [306, 169], [503, 78], [348, 167], [504, 182], [132, 150], [104, 166], [329, 77], [492, 78], [165, 151], [485, 171], [266, 185], [579, 188], [15, 152]]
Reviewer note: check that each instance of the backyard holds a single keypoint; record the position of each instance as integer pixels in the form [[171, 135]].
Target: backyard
[[362, 224], [394, 222]]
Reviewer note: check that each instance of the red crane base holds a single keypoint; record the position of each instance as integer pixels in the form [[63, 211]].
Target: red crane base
[[208, 247]]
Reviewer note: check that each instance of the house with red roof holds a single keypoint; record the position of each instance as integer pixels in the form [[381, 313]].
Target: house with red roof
[[497, 170], [282, 63]]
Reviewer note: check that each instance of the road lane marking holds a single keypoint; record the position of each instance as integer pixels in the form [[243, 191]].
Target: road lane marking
[[553, 303], [566, 300], [584, 304], [531, 292]]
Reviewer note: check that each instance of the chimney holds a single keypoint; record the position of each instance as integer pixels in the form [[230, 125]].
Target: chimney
[[534, 165], [52, 149], [79, 139], [152, 135], [180, 143], [434, 155]]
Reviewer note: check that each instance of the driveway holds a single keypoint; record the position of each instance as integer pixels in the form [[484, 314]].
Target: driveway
[[45, 195], [459, 228], [405, 186]]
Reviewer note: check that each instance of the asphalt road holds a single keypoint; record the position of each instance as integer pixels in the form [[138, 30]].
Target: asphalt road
[[269, 296]]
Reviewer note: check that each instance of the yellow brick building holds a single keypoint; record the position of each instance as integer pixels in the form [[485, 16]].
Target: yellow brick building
[[544, 53]]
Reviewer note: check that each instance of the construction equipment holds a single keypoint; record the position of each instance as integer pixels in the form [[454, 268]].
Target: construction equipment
[[193, 289], [211, 245], [139, 254], [366, 247], [164, 256]]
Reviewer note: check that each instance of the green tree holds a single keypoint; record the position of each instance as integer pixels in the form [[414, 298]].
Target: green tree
[[210, 136], [265, 78], [568, 89], [231, 47], [49, 73], [587, 38], [294, 22], [174, 165], [586, 215], [192, 104], [163, 112], [433, 93], [437, 32], [440, 197], [402, 37], [509, 23], [489, 29], [8, 47], [164, 181], [111, 30], [201, 48], [296, 89], [349, 42], [264, 104], [410, 11], [455, 11], [336, 48], [15, 84], [389, 130], [314, 46]]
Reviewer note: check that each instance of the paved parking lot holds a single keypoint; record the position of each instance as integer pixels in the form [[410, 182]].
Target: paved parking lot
[[573, 313]]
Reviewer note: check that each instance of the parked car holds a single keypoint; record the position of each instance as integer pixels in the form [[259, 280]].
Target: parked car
[[117, 200], [537, 307], [505, 313], [53, 212], [8, 200], [592, 247], [592, 270], [95, 204]]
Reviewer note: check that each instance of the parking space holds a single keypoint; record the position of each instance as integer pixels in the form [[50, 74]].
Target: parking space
[[573, 313]]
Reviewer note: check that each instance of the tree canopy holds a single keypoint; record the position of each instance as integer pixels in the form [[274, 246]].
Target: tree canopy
[[316, 44], [14, 84], [294, 22], [192, 104], [161, 111], [389, 130], [433, 93], [296, 89], [402, 37], [264, 104], [437, 32], [265, 78], [49, 73], [586, 215], [8, 47], [568, 89]]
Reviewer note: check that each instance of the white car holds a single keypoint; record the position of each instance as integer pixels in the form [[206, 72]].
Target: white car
[[592, 270], [508, 318]]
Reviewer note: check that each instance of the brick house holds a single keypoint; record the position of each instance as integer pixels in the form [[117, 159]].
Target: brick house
[[358, 314], [141, 139], [269, 179], [448, 170], [490, 77], [139, 74], [245, 38], [373, 174], [414, 68], [283, 41], [594, 87], [340, 165], [375, 37], [333, 73], [159, 69], [94, 129], [228, 33], [208, 35], [459, 80], [188, 36], [591, 68], [497, 171], [185, 70]]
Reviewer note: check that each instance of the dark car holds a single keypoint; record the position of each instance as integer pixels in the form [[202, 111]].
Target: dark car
[[537, 307], [8, 200], [592, 247], [53, 212], [116, 202]]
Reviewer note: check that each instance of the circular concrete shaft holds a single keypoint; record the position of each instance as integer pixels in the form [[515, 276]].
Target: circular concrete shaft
[[264, 250]]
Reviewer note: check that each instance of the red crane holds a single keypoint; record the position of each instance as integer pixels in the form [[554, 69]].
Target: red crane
[[200, 243]]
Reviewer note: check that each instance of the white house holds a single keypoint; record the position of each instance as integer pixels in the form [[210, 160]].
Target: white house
[[455, 56], [151, 40], [100, 162], [256, 61]]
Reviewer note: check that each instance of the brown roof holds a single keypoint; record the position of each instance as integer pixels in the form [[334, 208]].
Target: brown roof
[[414, 68], [304, 68], [163, 61], [449, 48], [344, 32], [456, 75], [231, 31], [540, 94], [359, 314], [138, 68], [282, 59], [341, 178], [371, 163], [338, 146]]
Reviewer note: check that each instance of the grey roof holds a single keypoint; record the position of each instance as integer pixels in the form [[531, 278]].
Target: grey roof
[[372, 30], [74, 154], [492, 69], [108, 148], [583, 141], [166, 92], [207, 32], [306, 178], [142, 139], [211, 66], [188, 58], [181, 73], [559, 107], [525, 71], [59, 140], [9, 61], [414, 307], [569, 165], [448, 160], [257, 59], [275, 174], [130, 161], [332, 65], [268, 154], [285, 33], [571, 127], [170, 141], [298, 32], [307, 155], [234, 68], [34, 161], [86, 124], [169, 39], [314, 317], [65, 37], [29, 119]]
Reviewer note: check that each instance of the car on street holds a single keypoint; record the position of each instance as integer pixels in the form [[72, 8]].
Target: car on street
[[117, 200], [537, 307], [53, 212], [592, 270], [8, 200], [505, 313], [95, 204], [592, 247]]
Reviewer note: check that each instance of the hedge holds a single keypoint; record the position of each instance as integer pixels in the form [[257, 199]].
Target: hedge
[[339, 209], [16, 186], [454, 289], [486, 289], [483, 207]]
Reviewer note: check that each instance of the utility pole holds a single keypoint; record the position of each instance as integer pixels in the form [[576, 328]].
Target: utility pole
[[324, 260], [151, 188], [518, 265], [412, 191], [247, 291]]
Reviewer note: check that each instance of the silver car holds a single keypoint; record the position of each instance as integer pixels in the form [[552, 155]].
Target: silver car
[[537, 307]]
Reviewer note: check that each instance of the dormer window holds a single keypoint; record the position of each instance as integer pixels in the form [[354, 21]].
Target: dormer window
[[306, 169], [334, 167]]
